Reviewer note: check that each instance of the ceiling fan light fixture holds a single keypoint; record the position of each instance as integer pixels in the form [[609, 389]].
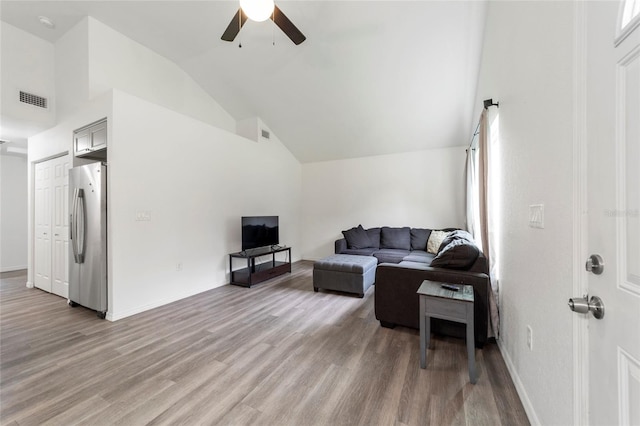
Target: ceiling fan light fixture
[[257, 10], [46, 22]]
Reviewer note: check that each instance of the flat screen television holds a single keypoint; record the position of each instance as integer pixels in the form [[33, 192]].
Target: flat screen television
[[259, 231]]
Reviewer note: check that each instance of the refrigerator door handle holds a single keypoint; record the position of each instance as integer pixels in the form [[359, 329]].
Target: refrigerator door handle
[[78, 225], [72, 225]]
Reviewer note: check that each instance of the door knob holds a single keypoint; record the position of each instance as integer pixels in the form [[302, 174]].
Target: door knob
[[595, 264], [583, 305]]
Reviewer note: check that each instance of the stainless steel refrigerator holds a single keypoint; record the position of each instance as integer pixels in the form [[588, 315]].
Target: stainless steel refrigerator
[[88, 237]]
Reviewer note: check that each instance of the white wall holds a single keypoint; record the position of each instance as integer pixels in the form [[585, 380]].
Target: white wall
[[527, 67], [116, 61], [72, 69], [195, 181], [92, 58], [13, 212], [27, 65], [423, 189]]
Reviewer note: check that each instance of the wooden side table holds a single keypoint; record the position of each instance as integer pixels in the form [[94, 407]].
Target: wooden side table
[[438, 302]]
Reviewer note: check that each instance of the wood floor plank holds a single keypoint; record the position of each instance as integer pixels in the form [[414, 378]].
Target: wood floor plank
[[274, 354]]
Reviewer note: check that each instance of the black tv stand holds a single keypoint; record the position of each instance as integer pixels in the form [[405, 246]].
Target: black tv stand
[[257, 273]]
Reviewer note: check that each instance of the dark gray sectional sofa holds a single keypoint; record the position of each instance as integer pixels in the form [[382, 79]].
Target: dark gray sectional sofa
[[404, 262]]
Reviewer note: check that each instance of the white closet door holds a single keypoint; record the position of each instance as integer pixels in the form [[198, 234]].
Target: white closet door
[[42, 260], [60, 219], [51, 227]]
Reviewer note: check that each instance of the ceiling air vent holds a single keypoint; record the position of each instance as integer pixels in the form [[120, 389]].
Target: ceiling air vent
[[31, 99]]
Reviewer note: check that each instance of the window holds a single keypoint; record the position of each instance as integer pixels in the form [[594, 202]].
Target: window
[[628, 19], [630, 9]]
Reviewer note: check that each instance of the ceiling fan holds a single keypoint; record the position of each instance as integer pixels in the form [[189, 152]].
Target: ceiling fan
[[261, 10]]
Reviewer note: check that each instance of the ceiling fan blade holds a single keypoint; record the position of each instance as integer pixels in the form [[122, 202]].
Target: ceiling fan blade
[[234, 26], [287, 26]]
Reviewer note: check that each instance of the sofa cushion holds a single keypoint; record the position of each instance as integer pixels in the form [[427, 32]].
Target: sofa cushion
[[357, 238], [360, 252], [458, 254], [419, 238], [395, 238], [374, 236], [420, 256], [435, 240], [414, 265], [391, 255]]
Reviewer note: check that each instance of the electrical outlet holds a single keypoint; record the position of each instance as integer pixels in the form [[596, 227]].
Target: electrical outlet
[[536, 216], [529, 338], [179, 266]]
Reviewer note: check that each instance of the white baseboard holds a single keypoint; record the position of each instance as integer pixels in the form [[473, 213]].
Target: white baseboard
[[30, 284], [118, 315], [522, 393], [13, 268]]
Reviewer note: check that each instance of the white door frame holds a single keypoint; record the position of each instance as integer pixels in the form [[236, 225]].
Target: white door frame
[[580, 223]]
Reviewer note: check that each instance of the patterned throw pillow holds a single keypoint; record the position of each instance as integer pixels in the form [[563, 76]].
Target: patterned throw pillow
[[435, 239]]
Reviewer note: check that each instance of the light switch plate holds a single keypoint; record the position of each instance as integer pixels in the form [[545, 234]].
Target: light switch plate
[[536, 215], [143, 216]]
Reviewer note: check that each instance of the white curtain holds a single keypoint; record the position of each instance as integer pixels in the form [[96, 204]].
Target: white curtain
[[473, 211], [482, 223]]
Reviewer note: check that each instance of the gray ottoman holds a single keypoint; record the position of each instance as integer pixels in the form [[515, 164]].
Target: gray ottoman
[[345, 272]]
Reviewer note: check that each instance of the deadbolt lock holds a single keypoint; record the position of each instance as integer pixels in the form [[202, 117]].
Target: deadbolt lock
[[595, 264]]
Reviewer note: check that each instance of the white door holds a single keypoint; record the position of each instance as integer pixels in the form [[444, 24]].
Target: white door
[[613, 194], [51, 225], [42, 259], [60, 222]]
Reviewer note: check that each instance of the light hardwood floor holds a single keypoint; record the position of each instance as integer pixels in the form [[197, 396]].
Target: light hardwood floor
[[275, 354]]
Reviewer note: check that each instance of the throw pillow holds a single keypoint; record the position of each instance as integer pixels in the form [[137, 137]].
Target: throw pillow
[[419, 238], [395, 238], [374, 236], [435, 240], [458, 254], [357, 238]]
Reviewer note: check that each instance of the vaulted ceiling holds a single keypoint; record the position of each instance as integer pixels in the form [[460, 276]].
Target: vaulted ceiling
[[373, 77]]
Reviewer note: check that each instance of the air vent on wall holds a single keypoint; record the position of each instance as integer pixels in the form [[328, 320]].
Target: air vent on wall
[[31, 99], [265, 134]]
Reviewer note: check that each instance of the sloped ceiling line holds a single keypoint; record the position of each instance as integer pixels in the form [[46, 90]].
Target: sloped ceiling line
[[373, 77]]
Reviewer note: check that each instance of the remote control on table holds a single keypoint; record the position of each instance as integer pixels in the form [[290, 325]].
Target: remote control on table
[[450, 287]]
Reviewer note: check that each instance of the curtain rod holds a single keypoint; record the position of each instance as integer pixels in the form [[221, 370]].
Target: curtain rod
[[473, 137], [486, 104], [489, 103]]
